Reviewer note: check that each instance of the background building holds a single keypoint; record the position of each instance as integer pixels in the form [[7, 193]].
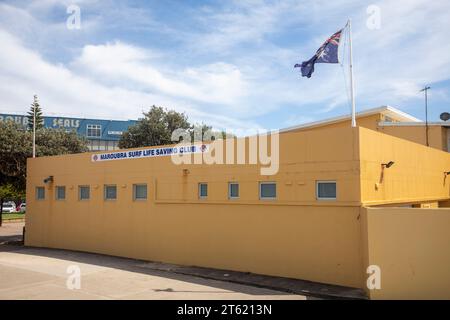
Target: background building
[[101, 134]]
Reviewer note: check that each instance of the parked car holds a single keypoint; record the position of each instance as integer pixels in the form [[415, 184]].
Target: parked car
[[9, 207], [22, 207]]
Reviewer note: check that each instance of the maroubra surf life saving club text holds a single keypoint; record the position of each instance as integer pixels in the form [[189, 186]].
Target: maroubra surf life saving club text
[[149, 152]]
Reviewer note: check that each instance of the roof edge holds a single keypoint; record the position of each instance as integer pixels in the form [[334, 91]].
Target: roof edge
[[368, 112]]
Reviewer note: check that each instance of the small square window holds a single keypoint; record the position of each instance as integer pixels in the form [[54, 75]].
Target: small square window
[[84, 192], [140, 192], [202, 190], [110, 192], [40, 193], [60, 193], [233, 190], [267, 190], [326, 190]]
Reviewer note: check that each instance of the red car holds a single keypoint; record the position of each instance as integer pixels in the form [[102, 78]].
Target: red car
[[22, 207]]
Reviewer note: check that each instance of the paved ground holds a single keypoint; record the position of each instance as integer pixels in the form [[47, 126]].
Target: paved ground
[[35, 273], [11, 231]]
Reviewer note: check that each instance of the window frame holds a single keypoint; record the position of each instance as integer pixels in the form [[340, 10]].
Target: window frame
[[93, 127], [134, 191], [200, 188], [57, 188], [261, 183], [79, 192], [37, 193], [105, 193], [230, 197], [325, 198]]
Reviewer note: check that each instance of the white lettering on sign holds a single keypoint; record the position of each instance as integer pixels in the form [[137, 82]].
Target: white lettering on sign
[[66, 123], [117, 133], [150, 153], [20, 120]]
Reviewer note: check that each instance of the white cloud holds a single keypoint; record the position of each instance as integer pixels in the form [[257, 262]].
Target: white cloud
[[218, 83], [234, 64], [24, 72]]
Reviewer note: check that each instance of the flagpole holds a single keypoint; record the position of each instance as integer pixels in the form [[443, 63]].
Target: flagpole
[[352, 83]]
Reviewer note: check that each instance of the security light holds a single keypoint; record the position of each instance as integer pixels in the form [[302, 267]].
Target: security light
[[388, 165], [447, 173], [49, 179]]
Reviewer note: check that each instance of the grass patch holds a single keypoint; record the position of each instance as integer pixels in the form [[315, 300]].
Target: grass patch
[[9, 216]]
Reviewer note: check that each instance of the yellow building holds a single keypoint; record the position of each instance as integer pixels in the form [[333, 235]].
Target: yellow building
[[394, 122], [343, 199]]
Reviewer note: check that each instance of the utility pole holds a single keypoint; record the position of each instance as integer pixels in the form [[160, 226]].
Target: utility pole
[[426, 112]]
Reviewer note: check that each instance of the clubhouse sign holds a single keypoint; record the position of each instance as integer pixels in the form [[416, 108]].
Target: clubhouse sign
[[150, 153]]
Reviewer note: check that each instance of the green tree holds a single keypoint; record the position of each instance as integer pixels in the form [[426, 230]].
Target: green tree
[[16, 147], [52, 142], [35, 107], [154, 129], [157, 126], [205, 133]]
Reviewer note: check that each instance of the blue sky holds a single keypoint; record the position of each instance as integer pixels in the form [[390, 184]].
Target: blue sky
[[225, 63]]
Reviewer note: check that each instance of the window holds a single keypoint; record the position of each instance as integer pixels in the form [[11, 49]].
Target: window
[[326, 190], [40, 193], [233, 190], [202, 190], [84, 192], [94, 130], [139, 192], [60, 193], [267, 190], [110, 192]]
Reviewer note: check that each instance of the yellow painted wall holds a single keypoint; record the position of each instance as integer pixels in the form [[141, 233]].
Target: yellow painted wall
[[370, 122], [411, 247], [293, 236], [416, 176], [437, 135]]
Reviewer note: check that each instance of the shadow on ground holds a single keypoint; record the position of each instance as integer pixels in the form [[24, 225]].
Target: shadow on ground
[[251, 283]]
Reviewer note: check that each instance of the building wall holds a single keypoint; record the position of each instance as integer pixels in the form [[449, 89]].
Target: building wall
[[106, 137], [411, 248], [416, 176], [293, 236], [437, 135]]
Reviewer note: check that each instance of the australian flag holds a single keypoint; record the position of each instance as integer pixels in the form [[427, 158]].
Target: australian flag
[[327, 53]]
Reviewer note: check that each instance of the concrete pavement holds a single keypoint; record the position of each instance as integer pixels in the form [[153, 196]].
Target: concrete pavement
[[37, 273], [34, 273], [11, 231]]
